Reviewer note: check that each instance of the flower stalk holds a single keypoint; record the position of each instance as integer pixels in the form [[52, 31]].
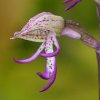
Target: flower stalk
[[98, 52], [85, 36]]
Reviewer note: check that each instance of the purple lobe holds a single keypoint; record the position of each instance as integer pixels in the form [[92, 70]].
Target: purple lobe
[[50, 54], [51, 80], [65, 1], [74, 2], [33, 57], [43, 75]]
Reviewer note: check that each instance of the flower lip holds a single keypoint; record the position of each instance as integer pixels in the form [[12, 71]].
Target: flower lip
[[52, 79]]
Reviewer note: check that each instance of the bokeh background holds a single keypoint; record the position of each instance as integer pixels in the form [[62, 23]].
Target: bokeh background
[[77, 67]]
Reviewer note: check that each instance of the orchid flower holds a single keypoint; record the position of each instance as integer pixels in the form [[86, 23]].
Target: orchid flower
[[73, 3], [44, 28]]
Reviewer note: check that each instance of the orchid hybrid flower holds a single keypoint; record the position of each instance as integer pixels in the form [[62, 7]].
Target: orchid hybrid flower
[[44, 28], [73, 3]]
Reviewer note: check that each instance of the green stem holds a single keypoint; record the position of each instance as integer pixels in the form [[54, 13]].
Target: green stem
[[98, 53], [98, 60]]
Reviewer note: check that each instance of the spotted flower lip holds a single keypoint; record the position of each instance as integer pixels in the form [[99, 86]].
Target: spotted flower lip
[[73, 3], [44, 28]]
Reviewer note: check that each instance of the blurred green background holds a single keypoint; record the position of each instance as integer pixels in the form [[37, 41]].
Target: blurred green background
[[77, 66]]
